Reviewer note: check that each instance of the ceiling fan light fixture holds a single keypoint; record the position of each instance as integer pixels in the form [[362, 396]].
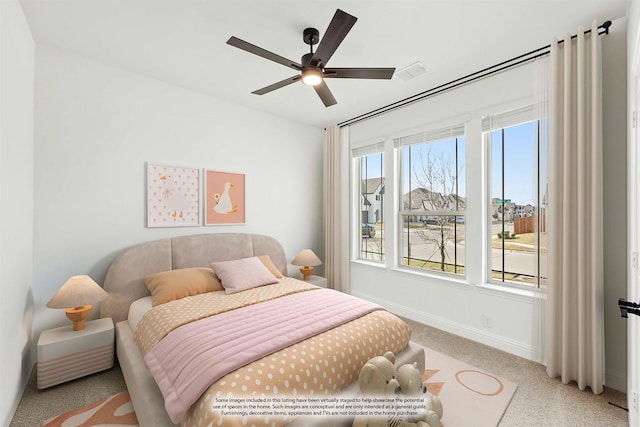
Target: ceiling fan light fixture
[[312, 68], [311, 76]]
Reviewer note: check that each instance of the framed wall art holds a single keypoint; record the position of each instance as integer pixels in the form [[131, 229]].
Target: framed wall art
[[173, 196], [224, 198]]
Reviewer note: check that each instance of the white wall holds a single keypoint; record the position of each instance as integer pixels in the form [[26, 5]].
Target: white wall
[[633, 205], [96, 126], [458, 307], [614, 161], [16, 204]]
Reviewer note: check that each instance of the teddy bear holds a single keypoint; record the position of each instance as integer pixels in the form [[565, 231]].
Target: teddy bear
[[378, 378], [410, 379]]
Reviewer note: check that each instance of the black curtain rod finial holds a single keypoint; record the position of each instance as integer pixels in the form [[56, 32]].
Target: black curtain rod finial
[[606, 26]]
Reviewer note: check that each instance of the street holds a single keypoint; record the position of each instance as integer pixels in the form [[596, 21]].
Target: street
[[424, 241]]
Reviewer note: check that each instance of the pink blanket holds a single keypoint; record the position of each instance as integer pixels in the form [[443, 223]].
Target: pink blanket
[[188, 360]]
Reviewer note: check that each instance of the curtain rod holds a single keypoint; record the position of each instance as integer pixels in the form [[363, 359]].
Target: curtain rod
[[496, 68]]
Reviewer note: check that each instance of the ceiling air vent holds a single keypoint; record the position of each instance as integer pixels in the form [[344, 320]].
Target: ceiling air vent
[[411, 71]]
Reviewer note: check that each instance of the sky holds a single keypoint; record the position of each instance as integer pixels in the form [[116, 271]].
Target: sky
[[520, 163]]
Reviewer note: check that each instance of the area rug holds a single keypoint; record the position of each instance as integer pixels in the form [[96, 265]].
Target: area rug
[[470, 396], [110, 412]]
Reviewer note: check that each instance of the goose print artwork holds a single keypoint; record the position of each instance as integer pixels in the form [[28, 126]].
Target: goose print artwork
[[224, 198], [224, 205], [173, 196]]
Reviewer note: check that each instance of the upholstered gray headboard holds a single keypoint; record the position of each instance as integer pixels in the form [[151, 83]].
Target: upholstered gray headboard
[[125, 278]]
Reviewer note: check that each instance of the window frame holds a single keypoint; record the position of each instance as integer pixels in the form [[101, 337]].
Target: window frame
[[476, 213], [502, 121], [434, 135], [357, 154]]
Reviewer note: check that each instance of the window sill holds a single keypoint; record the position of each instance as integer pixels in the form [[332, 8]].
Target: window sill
[[377, 264], [441, 279], [516, 293], [519, 294]]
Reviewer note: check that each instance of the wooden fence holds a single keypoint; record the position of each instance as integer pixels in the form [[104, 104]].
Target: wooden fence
[[528, 225]]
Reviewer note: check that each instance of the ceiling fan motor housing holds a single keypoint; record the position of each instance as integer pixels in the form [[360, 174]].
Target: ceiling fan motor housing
[[306, 60], [310, 36]]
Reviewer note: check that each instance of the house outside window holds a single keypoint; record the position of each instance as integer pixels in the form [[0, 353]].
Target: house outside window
[[516, 229], [432, 200], [369, 167]]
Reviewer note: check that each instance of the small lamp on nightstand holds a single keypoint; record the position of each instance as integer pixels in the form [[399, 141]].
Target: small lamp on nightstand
[[307, 259], [77, 295]]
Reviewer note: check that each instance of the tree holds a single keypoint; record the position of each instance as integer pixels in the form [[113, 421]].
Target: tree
[[436, 181]]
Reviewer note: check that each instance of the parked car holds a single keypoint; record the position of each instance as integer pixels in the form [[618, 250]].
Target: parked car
[[368, 230]]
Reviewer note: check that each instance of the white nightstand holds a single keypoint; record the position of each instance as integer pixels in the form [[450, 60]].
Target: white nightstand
[[65, 354], [318, 281]]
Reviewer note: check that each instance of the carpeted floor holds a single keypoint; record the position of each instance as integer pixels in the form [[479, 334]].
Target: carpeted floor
[[538, 401], [37, 406]]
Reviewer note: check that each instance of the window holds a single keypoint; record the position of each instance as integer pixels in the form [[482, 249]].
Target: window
[[516, 231], [369, 165], [429, 186], [433, 203]]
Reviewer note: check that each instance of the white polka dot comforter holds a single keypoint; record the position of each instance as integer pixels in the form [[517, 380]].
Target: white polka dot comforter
[[318, 365]]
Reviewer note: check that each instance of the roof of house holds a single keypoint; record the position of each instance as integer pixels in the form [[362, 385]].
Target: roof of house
[[423, 199], [370, 185]]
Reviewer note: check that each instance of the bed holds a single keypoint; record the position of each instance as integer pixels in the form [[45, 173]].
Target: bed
[[126, 289]]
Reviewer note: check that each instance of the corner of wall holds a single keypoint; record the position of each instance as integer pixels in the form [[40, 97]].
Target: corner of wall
[[17, 70]]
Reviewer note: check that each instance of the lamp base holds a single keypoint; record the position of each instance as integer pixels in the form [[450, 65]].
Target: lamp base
[[78, 315], [306, 273]]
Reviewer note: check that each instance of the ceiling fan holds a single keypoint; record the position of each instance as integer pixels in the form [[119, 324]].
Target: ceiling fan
[[313, 65]]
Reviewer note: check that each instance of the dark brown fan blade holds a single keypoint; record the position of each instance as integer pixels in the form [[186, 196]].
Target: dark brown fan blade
[[325, 94], [278, 85], [338, 29], [241, 44], [359, 73]]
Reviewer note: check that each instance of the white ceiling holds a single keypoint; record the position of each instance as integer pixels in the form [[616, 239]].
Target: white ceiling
[[183, 42]]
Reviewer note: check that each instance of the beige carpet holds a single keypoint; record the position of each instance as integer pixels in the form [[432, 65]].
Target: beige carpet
[[470, 397]]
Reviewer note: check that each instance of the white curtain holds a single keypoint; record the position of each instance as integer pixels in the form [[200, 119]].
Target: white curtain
[[575, 319], [337, 207]]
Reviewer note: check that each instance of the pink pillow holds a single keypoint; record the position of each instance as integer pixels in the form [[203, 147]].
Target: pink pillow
[[242, 274]]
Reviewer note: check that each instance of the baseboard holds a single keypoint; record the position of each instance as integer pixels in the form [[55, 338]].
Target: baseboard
[[616, 380], [28, 369], [475, 334]]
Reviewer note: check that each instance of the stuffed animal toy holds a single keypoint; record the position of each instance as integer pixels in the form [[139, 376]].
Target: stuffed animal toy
[[410, 379], [377, 378]]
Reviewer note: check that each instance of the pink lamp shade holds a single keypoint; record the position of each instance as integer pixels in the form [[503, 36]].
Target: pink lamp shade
[[307, 259], [77, 296]]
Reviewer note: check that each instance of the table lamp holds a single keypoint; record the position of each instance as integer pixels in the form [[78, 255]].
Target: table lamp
[[307, 259], [76, 296]]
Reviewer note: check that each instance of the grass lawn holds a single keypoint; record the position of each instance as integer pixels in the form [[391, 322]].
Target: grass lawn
[[525, 242], [431, 265]]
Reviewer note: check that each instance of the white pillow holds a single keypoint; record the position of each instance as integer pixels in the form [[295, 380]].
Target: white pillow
[[137, 309], [242, 274]]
